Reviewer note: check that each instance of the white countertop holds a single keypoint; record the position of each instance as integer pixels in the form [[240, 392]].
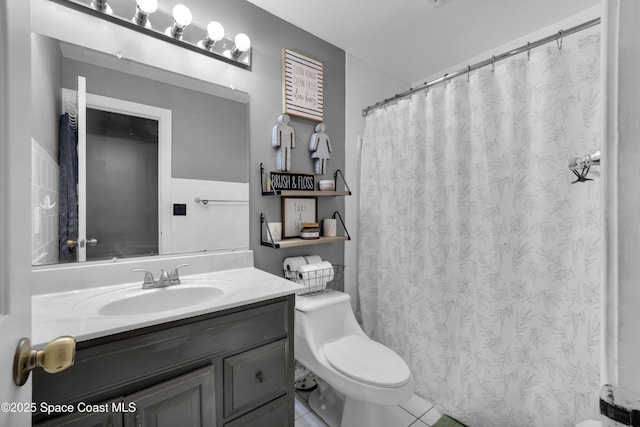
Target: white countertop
[[75, 313]]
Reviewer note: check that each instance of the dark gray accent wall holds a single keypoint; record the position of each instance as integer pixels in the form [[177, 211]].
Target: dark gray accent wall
[[269, 35]]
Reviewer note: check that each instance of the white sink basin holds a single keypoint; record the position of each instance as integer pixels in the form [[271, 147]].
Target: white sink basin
[[138, 301], [160, 299]]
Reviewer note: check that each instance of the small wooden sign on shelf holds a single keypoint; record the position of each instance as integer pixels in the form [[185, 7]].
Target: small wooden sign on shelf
[[296, 211], [290, 181]]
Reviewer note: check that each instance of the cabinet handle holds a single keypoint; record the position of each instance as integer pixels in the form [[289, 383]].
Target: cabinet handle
[[138, 420], [260, 377]]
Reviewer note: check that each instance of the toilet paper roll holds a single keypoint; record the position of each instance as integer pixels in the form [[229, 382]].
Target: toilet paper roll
[[316, 276], [313, 259], [293, 263]]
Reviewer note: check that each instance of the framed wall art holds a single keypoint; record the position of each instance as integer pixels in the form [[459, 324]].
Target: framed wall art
[[302, 86], [297, 211]]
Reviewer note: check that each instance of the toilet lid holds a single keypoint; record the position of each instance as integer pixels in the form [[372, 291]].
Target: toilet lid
[[367, 361]]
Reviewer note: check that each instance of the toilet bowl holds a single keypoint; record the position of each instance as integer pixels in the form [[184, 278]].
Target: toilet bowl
[[359, 379]]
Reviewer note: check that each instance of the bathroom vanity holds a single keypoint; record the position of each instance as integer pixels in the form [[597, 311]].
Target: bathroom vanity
[[227, 361]]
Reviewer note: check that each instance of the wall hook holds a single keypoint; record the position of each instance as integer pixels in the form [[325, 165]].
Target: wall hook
[[559, 40]]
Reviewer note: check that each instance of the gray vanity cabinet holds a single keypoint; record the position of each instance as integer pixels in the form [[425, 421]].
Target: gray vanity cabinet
[[86, 420], [232, 368], [187, 400]]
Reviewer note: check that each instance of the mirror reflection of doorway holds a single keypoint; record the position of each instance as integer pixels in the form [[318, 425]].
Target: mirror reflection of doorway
[[122, 185]]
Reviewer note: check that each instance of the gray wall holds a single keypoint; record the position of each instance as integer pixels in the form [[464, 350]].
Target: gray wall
[[269, 35]]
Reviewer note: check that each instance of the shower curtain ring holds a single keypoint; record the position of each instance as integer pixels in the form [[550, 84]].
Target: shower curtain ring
[[493, 64], [528, 51], [468, 73], [445, 80], [559, 40]]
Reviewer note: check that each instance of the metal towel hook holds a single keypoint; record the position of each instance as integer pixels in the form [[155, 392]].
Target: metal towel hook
[[559, 40]]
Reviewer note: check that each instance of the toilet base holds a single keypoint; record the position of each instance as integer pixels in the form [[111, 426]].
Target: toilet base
[[327, 403], [337, 410]]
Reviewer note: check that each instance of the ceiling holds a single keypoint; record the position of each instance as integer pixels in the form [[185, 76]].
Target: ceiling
[[411, 39]]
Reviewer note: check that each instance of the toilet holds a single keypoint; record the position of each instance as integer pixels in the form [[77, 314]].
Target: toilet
[[359, 379]]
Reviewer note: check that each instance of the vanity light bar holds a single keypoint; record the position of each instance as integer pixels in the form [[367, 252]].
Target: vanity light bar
[[145, 17]]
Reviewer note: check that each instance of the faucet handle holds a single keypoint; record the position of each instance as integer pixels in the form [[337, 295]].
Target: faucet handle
[[174, 277], [148, 276]]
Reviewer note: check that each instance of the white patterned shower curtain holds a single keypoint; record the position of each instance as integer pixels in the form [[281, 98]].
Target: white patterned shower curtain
[[479, 260]]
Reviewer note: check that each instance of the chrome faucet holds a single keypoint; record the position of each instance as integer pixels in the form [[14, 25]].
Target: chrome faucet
[[164, 280]]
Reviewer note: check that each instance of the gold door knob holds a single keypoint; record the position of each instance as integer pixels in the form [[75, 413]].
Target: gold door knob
[[55, 357]]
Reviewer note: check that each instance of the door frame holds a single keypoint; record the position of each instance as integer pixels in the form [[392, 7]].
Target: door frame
[[15, 178], [164, 118]]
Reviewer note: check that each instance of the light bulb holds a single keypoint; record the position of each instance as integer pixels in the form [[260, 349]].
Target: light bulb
[[102, 6], [143, 9], [181, 18], [182, 15], [215, 31], [243, 43], [147, 6]]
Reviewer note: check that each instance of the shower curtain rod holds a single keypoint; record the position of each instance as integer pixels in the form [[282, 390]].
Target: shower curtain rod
[[495, 58]]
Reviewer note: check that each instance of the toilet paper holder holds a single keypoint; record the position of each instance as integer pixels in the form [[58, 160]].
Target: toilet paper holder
[[318, 281]]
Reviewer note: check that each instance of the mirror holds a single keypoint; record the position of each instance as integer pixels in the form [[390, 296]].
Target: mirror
[[205, 129]]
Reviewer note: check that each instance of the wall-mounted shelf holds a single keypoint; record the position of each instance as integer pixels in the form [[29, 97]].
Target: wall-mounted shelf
[[295, 242], [315, 193]]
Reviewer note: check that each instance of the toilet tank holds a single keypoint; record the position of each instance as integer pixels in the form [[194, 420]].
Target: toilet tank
[[324, 317]]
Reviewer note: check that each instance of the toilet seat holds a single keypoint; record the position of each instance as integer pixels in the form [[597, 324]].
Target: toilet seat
[[367, 361]]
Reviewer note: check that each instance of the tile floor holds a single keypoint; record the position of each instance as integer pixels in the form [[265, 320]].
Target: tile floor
[[417, 412]]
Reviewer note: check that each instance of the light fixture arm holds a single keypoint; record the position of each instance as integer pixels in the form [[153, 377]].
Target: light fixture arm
[[193, 39]]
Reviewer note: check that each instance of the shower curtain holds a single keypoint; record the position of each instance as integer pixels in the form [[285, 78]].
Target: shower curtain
[[479, 260]]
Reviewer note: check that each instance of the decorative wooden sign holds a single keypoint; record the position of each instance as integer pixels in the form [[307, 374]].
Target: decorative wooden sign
[[290, 181], [302, 86], [295, 212]]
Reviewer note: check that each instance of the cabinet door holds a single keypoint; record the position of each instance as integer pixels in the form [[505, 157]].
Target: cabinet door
[[273, 414], [187, 400], [255, 377], [107, 419]]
